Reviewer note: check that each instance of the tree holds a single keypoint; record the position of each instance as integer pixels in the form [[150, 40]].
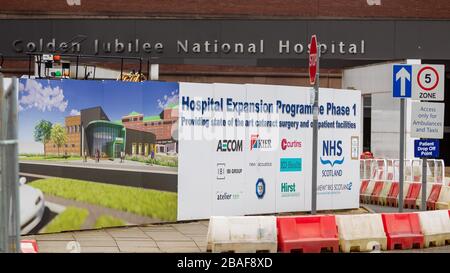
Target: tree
[[58, 136], [42, 132]]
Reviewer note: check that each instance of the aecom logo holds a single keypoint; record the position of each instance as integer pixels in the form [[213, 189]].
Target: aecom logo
[[229, 146]]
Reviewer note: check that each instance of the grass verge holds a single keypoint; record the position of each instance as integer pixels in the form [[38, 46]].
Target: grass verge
[[151, 203], [160, 160], [48, 157], [70, 219], [104, 221]]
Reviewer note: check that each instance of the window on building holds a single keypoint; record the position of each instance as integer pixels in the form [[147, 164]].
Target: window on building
[[133, 148], [73, 145]]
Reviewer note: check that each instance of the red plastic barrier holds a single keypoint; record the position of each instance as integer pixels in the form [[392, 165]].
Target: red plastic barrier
[[362, 189], [374, 174], [402, 230], [390, 176], [28, 246], [392, 197], [307, 234], [380, 176], [434, 196], [412, 195], [364, 184], [375, 196]]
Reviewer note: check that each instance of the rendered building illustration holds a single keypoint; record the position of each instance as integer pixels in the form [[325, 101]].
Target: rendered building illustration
[[93, 131]]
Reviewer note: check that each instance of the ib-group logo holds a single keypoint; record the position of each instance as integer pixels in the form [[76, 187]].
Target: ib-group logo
[[223, 171], [260, 188], [332, 157]]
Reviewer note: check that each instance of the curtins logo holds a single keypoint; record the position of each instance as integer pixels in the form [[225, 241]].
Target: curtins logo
[[285, 144], [257, 143], [229, 146], [260, 188]]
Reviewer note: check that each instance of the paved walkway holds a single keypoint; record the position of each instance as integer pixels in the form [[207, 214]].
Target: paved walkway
[[381, 209], [182, 237], [178, 238]]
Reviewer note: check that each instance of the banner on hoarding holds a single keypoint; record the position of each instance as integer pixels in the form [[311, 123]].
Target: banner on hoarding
[[252, 146], [97, 153], [152, 151]]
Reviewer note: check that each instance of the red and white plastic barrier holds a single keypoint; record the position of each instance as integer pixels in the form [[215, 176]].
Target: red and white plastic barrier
[[312, 234]]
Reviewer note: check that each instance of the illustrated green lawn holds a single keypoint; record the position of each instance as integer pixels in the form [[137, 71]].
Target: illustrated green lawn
[[108, 221], [151, 203], [70, 219], [48, 157]]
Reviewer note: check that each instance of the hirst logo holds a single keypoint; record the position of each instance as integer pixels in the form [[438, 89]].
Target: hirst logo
[[332, 148]]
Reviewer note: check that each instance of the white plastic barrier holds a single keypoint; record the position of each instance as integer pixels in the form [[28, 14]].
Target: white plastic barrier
[[361, 232], [444, 198], [435, 227], [419, 199], [384, 192], [366, 195], [242, 234]]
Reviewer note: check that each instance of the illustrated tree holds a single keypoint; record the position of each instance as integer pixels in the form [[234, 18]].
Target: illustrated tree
[[58, 136], [42, 132]]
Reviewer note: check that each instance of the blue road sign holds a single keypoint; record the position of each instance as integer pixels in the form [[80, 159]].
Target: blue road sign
[[401, 81], [426, 148]]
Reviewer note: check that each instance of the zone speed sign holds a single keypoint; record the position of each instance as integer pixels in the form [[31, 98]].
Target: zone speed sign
[[428, 82]]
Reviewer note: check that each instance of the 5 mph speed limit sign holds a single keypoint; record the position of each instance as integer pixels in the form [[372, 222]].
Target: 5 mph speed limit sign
[[428, 82]]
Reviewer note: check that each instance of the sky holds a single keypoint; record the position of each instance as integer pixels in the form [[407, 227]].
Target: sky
[[53, 100]]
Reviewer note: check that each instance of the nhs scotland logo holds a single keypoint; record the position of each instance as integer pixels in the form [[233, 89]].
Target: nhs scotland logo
[[332, 148]]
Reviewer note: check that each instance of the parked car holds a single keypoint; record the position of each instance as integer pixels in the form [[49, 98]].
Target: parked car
[[32, 206]]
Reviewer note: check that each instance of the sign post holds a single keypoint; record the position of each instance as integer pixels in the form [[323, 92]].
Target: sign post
[[402, 155], [427, 121], [314, 56], [424, 148], [429, 86], [420, 82], [401, 79]]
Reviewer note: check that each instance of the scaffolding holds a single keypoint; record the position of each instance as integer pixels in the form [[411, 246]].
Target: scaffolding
[[9, 167]]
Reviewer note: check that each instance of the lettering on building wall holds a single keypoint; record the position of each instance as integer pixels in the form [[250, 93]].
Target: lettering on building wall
[[137, 46], [73, 2]]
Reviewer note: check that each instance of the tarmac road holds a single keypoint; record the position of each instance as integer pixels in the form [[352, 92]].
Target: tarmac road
[[126, 174]]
